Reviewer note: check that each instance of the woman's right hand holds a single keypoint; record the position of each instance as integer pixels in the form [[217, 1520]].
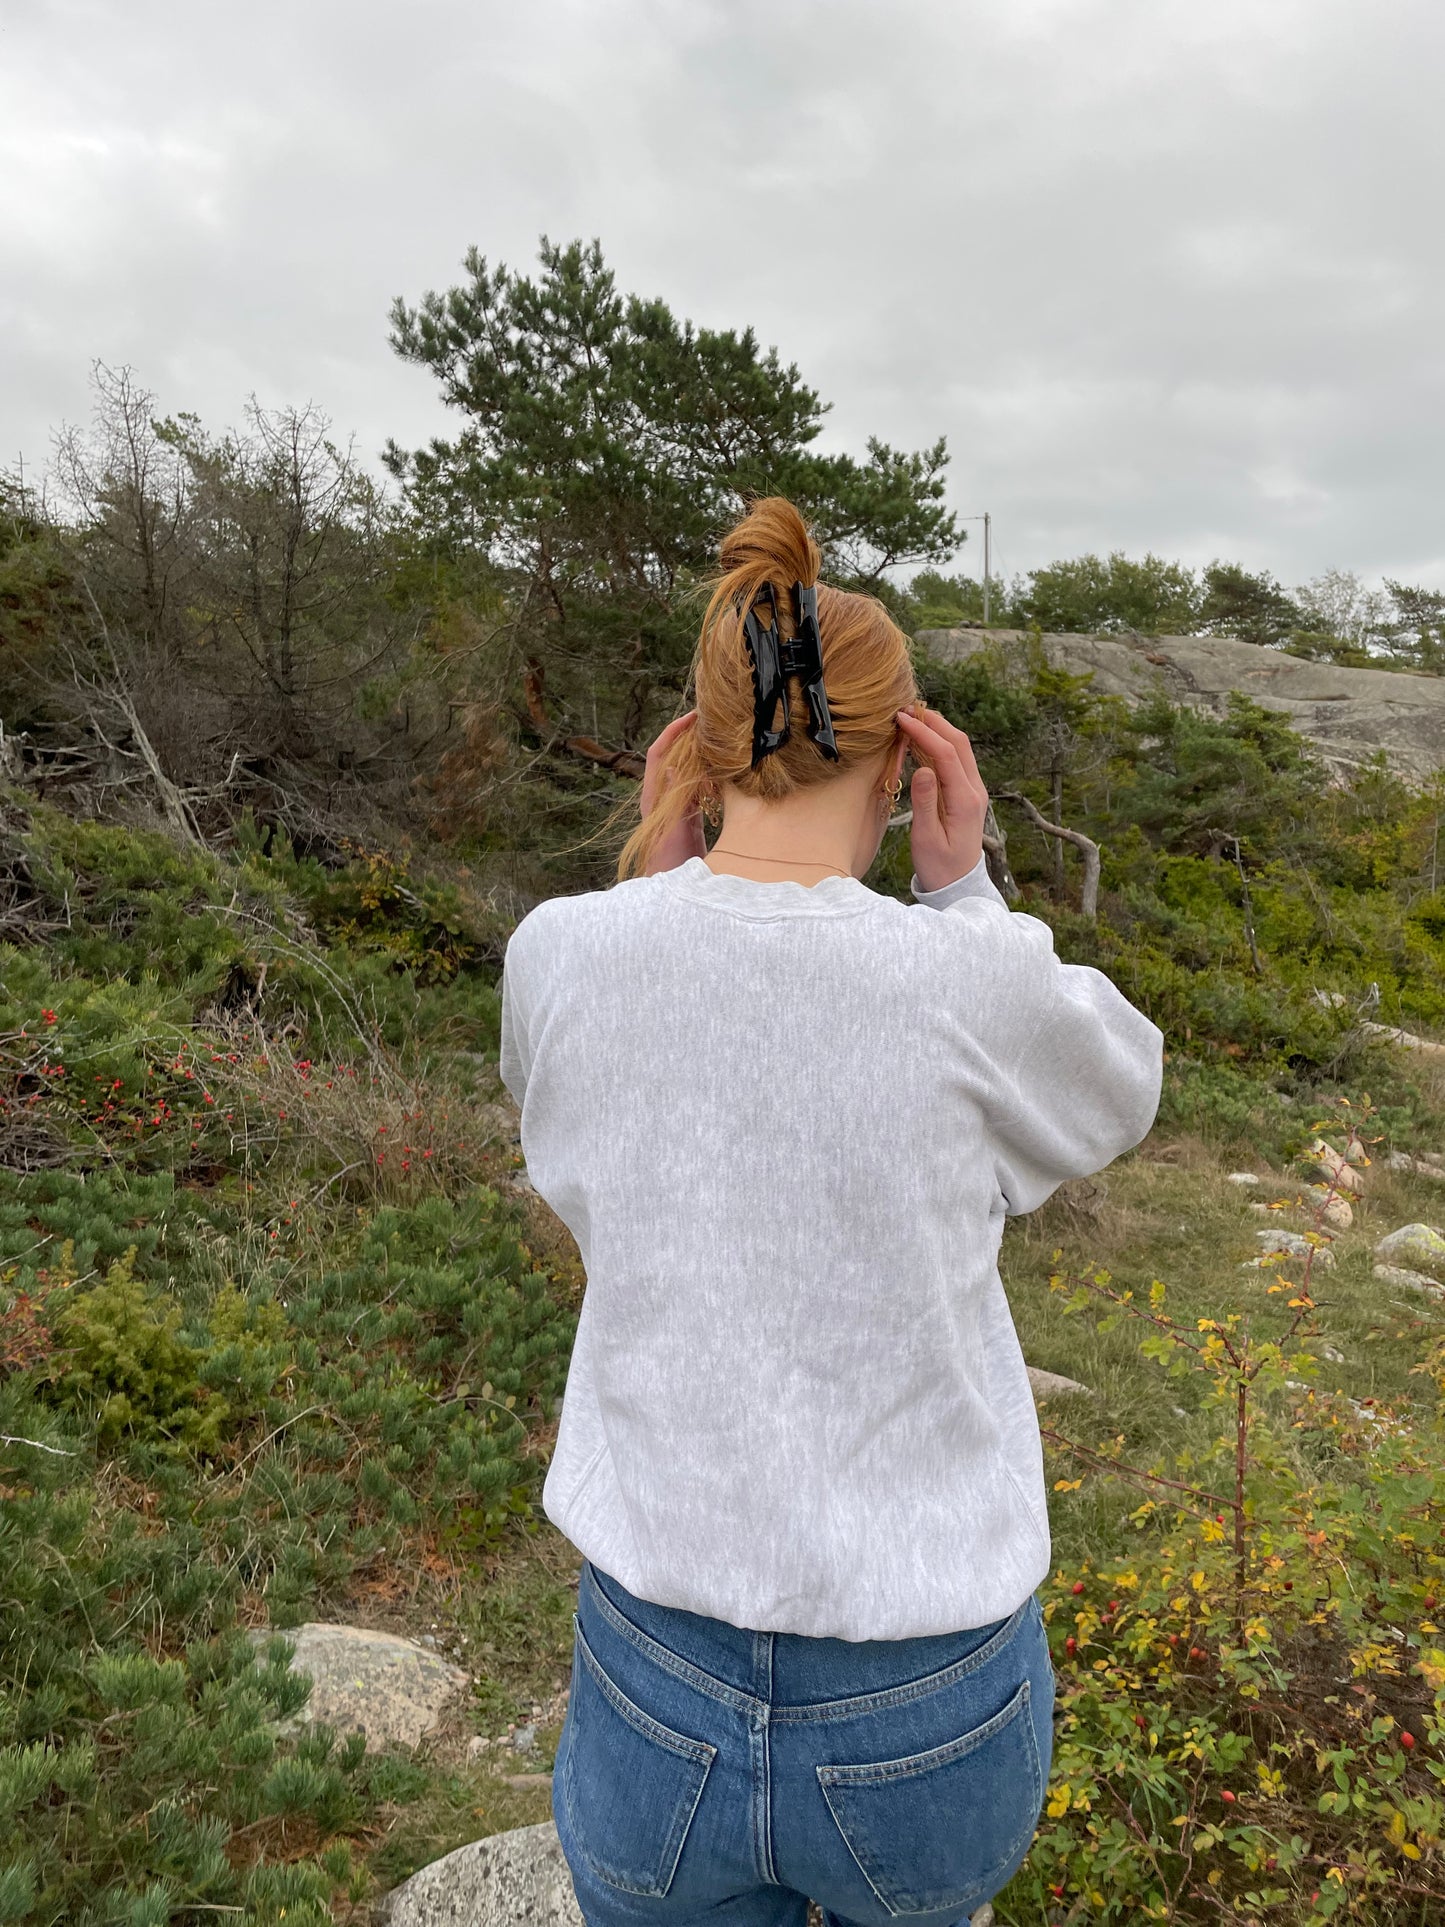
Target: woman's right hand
[[948, 797]]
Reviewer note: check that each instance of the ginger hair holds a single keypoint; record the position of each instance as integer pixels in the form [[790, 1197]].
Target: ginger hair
[[866, 669]]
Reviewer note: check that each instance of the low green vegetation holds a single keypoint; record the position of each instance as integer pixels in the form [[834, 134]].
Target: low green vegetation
[[283, 759]]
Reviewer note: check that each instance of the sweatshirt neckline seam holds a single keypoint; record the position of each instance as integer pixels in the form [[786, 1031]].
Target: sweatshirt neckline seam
[[713, 892]]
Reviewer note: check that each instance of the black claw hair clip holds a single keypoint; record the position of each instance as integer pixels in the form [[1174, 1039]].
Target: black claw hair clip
[[774, 660]]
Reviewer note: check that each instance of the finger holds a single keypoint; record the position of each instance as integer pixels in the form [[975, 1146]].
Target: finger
[[666, 737], [652, 775], [961, 742], [940, 753], [949, 749]]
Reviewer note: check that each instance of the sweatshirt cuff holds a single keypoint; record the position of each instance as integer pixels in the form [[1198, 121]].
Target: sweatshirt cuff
[[978, 883]]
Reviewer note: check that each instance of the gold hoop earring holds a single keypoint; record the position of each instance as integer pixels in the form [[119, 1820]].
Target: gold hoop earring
[[893, 791], [712, 809]]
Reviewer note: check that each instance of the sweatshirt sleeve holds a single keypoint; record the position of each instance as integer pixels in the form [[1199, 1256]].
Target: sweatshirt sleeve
[[978, 883], [1083, 1090], [514, 1060]]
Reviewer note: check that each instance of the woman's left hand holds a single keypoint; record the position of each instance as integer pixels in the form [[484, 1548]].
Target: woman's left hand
[[686, 837]]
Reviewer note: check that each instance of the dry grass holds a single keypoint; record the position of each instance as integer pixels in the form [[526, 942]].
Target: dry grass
[[361, 1127]]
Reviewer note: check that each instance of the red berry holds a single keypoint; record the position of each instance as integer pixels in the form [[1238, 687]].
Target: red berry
[[1077, 1587], [1428, 1602], [1071, 1645], [1227, 1797], [1407, 1740], [1140, 1721], [1057, 1892], [1197, 1652], [1113, 1605], [1173, 1639]]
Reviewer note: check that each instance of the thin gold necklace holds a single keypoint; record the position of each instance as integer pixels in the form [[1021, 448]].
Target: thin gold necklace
[[806, 862]]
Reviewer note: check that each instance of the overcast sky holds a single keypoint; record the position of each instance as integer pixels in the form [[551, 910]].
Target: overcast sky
[[1166, 273]]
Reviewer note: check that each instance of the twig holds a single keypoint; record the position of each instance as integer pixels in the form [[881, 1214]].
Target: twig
[[60, 1452]]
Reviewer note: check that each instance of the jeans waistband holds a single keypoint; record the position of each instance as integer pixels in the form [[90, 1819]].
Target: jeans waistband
[[790, 1675]]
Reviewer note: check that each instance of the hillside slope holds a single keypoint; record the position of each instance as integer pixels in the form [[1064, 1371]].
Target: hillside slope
[[1348, 714]]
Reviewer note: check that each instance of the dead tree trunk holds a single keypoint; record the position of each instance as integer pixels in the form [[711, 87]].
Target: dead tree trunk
[[1086, 846]]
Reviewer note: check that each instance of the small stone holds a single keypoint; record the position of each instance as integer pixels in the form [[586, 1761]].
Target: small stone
[[1405, 1039], [1047, 1385], [1242, 1177], [527, 1779], [1332, 1165], [1334, 1357], [1410, 1281], [477, 1746], [1415, 1167], [1334, 1210], [525, 1738], [1290, 1244], [1418, 1247]]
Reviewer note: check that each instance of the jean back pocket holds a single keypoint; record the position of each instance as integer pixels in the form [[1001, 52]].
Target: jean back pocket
[[630, 1784], [943, 1829]]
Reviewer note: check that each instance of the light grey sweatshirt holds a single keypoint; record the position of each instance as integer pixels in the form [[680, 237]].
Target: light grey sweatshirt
[[784, 1123]]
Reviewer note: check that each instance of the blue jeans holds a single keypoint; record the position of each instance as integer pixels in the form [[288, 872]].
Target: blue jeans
[[707, 1773]]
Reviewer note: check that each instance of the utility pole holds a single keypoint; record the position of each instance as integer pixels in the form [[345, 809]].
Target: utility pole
[[987, 521]]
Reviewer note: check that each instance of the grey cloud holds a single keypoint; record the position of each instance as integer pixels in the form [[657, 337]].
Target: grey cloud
[[1163, 274]]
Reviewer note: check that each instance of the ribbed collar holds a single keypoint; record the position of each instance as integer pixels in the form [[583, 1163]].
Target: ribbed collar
[[831, 896]]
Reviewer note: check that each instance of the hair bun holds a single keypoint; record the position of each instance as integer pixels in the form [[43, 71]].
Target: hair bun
[[770, 544]]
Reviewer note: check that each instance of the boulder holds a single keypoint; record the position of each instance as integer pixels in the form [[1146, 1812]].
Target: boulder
[[516, 1879], [393, 1689], [1320, 1200], [1051, 1385], [1288, 1244], [1410, 1281], [1415, 1167], [1333, 1166], [1417, 1247], [1404, 1039], [1348, 714]]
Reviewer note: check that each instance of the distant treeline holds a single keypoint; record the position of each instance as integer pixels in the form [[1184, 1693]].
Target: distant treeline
[[247, 625]]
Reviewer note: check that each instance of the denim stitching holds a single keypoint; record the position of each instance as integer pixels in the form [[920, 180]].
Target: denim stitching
[[769, 1870], [887, 1907], [672, 1847], [698, 1751], [880, 1772], [845, 1776], [733, 1696], [912, 1689], [660, 1655]]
